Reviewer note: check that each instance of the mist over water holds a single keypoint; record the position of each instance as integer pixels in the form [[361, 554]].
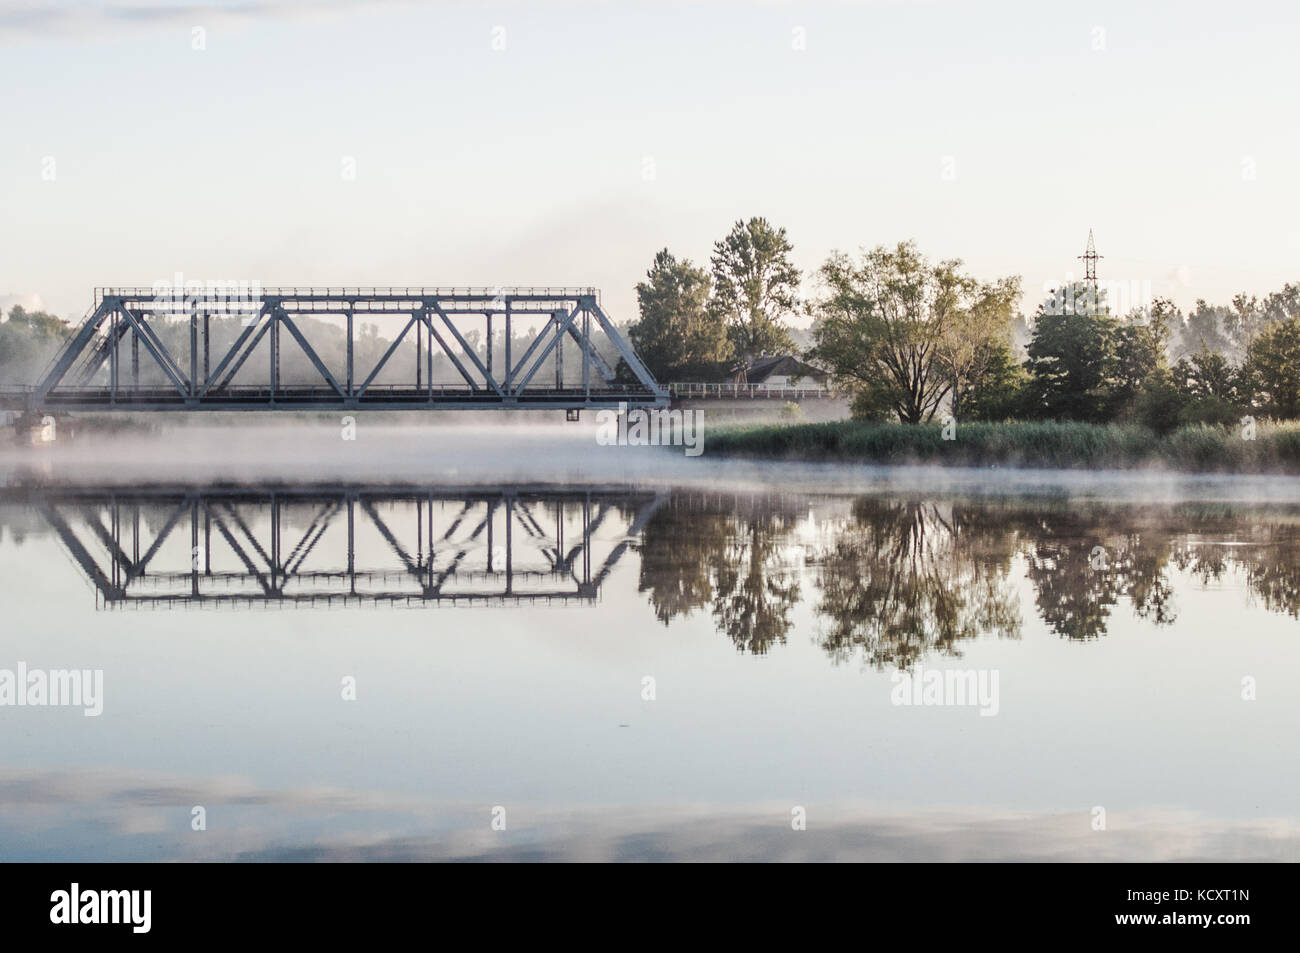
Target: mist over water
[[540, 448]]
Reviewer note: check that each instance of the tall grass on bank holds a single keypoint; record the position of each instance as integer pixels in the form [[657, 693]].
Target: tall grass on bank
[[1274, 449]]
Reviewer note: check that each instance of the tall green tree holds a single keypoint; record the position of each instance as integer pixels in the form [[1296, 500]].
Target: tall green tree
[[975, 346], [897, 331], [1072, 359], [1207, 373], [1141, 345], [996, 389], [1272, 370], [678, 335], [755, 287]]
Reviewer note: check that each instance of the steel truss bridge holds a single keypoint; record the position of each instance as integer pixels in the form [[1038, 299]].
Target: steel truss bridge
[[173, 546], [99, 368]]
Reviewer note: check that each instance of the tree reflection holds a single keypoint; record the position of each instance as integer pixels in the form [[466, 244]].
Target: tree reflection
[[905, 579], [699, 553], [896, 580], [1268, 555], [1082, 563]]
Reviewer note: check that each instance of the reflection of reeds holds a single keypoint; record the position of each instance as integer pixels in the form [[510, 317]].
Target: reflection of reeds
[[1068, 445]]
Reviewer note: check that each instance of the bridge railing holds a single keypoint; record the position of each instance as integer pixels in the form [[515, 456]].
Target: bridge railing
[[224, 289], [729, 390]]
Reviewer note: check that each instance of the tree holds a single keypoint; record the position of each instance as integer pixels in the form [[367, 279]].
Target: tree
[[1140, 351], [1205, 374], [1272, 370], [1205, 327], [755, 287], [677, 335], [1206, 389], [898, 331], [1072, 358], [997, 390], [28, 340], [979, 339]]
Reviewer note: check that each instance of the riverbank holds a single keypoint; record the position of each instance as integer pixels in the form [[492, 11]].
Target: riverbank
[[1270, 449]]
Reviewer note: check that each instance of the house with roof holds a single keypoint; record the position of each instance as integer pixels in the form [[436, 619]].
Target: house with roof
[[778, 372]]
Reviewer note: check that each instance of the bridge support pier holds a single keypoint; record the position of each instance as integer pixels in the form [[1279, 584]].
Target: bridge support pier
[[42, 429]]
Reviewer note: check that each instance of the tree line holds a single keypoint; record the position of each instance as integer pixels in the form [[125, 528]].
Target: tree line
[[913, 340]]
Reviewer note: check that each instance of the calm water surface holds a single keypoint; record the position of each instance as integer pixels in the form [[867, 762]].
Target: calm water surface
[[645, 671]]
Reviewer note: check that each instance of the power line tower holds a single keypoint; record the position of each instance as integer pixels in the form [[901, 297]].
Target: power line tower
[[1089, 258]]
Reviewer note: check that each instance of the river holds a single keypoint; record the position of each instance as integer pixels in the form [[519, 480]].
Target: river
[[510, 644]]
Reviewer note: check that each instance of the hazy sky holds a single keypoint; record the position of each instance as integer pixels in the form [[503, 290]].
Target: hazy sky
[[997, 132]]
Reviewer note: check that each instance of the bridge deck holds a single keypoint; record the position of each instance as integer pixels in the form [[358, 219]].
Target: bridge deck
[[309, 397]]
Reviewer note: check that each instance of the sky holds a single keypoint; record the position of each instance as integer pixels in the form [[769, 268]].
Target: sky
[[564, 143]]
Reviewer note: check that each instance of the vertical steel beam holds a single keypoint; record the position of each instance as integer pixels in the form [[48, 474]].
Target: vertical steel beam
[[117, 563], [112, 360], [275, 362], [586, 348], [194, 543], [559, 354], [586, 535], [352, 538], [510, 566], [275, 541]]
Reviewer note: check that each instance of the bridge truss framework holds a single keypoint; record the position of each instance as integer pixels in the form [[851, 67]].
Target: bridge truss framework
[[234, 547], [91, 372]]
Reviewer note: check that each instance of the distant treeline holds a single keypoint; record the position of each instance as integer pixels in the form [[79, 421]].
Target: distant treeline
[[28, 340], [915, 341]]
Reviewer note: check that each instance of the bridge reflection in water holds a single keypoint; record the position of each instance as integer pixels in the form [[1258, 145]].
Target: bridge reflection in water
[[166, 546]]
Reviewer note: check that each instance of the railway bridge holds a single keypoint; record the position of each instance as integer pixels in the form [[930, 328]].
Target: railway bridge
[[343, 349]]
